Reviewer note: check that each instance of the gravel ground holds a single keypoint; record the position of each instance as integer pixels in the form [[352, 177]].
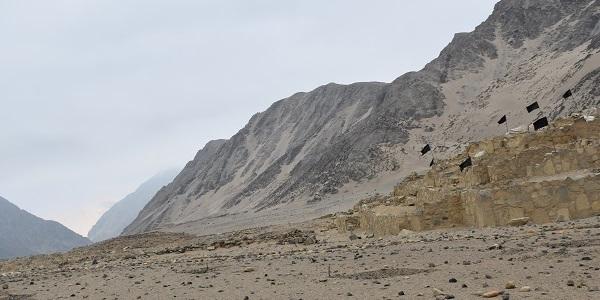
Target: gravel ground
[[552, 261]]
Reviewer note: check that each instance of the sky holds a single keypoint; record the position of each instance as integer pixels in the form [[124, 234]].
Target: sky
[[96, 96]]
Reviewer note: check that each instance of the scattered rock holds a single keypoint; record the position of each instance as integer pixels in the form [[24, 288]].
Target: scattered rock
[[509, 285], [525, 289], [495, 246], [439, 294], [491, 294], [298, 237]]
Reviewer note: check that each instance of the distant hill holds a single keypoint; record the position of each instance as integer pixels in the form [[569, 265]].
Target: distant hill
[[113, 221], [23, 234]]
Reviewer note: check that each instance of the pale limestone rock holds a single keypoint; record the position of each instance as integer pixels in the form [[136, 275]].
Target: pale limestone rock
[[491, 294], [519, 221], [525, 289]]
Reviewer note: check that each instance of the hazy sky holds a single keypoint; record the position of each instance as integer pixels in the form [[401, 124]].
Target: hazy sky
[[98, 96]]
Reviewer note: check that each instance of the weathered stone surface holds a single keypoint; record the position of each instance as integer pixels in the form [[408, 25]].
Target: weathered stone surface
[[491, 294], [517, 181], [519, 221]]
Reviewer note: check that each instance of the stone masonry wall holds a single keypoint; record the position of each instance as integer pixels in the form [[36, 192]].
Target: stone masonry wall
[[545, 176]]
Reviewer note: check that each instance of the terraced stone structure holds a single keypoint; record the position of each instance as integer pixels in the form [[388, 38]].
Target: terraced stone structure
[[534, 177]]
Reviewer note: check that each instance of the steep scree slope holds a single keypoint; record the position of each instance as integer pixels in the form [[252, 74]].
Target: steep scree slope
[[322, 151]]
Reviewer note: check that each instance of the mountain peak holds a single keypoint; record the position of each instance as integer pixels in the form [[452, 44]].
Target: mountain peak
[[113, 221], [323, 150], [23, 234]]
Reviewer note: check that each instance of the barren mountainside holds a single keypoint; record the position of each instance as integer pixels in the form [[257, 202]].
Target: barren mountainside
[[321, 151]]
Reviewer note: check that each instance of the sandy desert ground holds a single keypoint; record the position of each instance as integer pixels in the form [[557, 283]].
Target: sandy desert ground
[[553, 261]]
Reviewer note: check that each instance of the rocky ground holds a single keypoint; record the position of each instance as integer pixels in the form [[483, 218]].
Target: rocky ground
[[313, 261]]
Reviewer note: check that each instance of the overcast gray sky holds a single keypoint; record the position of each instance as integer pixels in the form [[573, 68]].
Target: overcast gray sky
[[98, 96]]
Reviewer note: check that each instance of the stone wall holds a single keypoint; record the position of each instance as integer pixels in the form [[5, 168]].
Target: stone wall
[[541, 202], [544, 176]]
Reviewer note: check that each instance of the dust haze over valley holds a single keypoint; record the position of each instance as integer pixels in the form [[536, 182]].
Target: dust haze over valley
[[435, 165]]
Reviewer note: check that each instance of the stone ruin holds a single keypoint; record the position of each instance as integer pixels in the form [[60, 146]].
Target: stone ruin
[[538, 177]]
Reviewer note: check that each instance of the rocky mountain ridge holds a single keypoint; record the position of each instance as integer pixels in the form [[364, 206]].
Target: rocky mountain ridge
[[321, 151], [23, 234]]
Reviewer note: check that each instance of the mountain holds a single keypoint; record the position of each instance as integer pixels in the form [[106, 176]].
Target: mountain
[[122, 213], [23, 234], [537, 177], [321, 151]]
